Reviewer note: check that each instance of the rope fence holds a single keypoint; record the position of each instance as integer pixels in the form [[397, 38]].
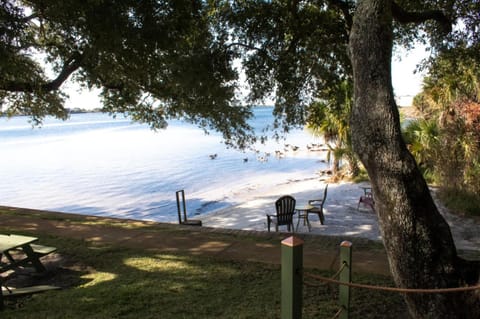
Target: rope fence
[[293, 281], [392, 289], [320, 278], [337, 315]]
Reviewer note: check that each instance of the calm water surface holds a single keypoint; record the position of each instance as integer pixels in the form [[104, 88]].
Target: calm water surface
[[94, 164]]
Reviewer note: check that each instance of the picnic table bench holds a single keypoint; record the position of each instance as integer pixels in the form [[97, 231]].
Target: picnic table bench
[[21, 251]]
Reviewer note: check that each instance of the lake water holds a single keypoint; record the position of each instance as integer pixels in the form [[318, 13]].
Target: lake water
[[94, 164]]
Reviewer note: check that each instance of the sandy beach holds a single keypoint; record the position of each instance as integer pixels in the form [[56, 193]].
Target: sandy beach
[[342, 218]]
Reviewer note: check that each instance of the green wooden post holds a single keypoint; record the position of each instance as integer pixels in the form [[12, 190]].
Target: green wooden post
[[292, 278], [345, 276]]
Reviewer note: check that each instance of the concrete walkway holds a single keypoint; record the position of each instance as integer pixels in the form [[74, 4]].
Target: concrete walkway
[[244, 245], [343, 217]]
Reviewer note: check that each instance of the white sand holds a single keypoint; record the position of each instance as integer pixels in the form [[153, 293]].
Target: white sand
[[342, 218]]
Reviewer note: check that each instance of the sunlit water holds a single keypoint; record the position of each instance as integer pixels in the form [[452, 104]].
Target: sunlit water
[[94, 164]]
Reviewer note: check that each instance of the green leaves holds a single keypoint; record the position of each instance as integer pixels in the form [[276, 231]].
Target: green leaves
[[153, 60], [290, 50], [330, 119], [157, 60], [423, 140]]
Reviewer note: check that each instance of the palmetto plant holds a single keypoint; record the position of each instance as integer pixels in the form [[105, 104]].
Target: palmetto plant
[[422, 139], [330, 119], [447, 142]]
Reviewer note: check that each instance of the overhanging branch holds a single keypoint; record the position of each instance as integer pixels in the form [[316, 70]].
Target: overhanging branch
[[28, 18], [29, 87], [404, 16], [67, 70]]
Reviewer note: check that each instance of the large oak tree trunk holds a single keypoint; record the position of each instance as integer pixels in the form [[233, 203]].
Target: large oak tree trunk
[[418, 241]]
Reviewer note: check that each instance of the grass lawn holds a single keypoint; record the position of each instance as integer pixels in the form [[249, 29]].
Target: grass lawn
[[109, 281]]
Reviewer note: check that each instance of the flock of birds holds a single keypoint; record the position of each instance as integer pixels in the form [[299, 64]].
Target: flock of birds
[[281, 154]]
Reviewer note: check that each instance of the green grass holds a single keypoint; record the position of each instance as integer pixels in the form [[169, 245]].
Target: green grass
[[108, 281]]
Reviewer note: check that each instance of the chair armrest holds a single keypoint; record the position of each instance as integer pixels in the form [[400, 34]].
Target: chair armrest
[[318, 201]]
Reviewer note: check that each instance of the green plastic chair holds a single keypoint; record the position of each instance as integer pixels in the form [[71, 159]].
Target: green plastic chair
[[285, 208], [318, 205]]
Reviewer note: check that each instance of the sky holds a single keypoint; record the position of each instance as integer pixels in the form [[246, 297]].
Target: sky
[[406, 84]]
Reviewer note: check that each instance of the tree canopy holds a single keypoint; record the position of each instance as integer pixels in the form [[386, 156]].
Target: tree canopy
[[156, 60], [153, 60]]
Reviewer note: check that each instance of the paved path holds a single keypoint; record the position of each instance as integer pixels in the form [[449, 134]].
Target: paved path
[[259, 246], [342, 215]]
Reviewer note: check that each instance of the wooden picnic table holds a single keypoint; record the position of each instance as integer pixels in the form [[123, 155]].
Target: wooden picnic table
[[20, 251]]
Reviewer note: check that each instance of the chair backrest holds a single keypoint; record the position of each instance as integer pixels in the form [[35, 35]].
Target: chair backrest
[[325, 194], [285, 207]]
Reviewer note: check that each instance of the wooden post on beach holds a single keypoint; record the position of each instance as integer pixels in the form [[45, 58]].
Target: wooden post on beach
[[1, 298], [345, 276], [292, 278]]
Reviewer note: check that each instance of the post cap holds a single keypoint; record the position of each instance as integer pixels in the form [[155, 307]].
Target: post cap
[[292, 241], [346, 243]]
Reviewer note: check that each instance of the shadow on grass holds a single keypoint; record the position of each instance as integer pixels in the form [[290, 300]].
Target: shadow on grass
[[120, 282]]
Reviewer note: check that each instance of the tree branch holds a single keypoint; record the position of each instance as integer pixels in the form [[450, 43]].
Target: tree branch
[[28, 18], [252, 47], [110, 85], [404, 16], [70, 66], [344, 7], [67, 70]]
